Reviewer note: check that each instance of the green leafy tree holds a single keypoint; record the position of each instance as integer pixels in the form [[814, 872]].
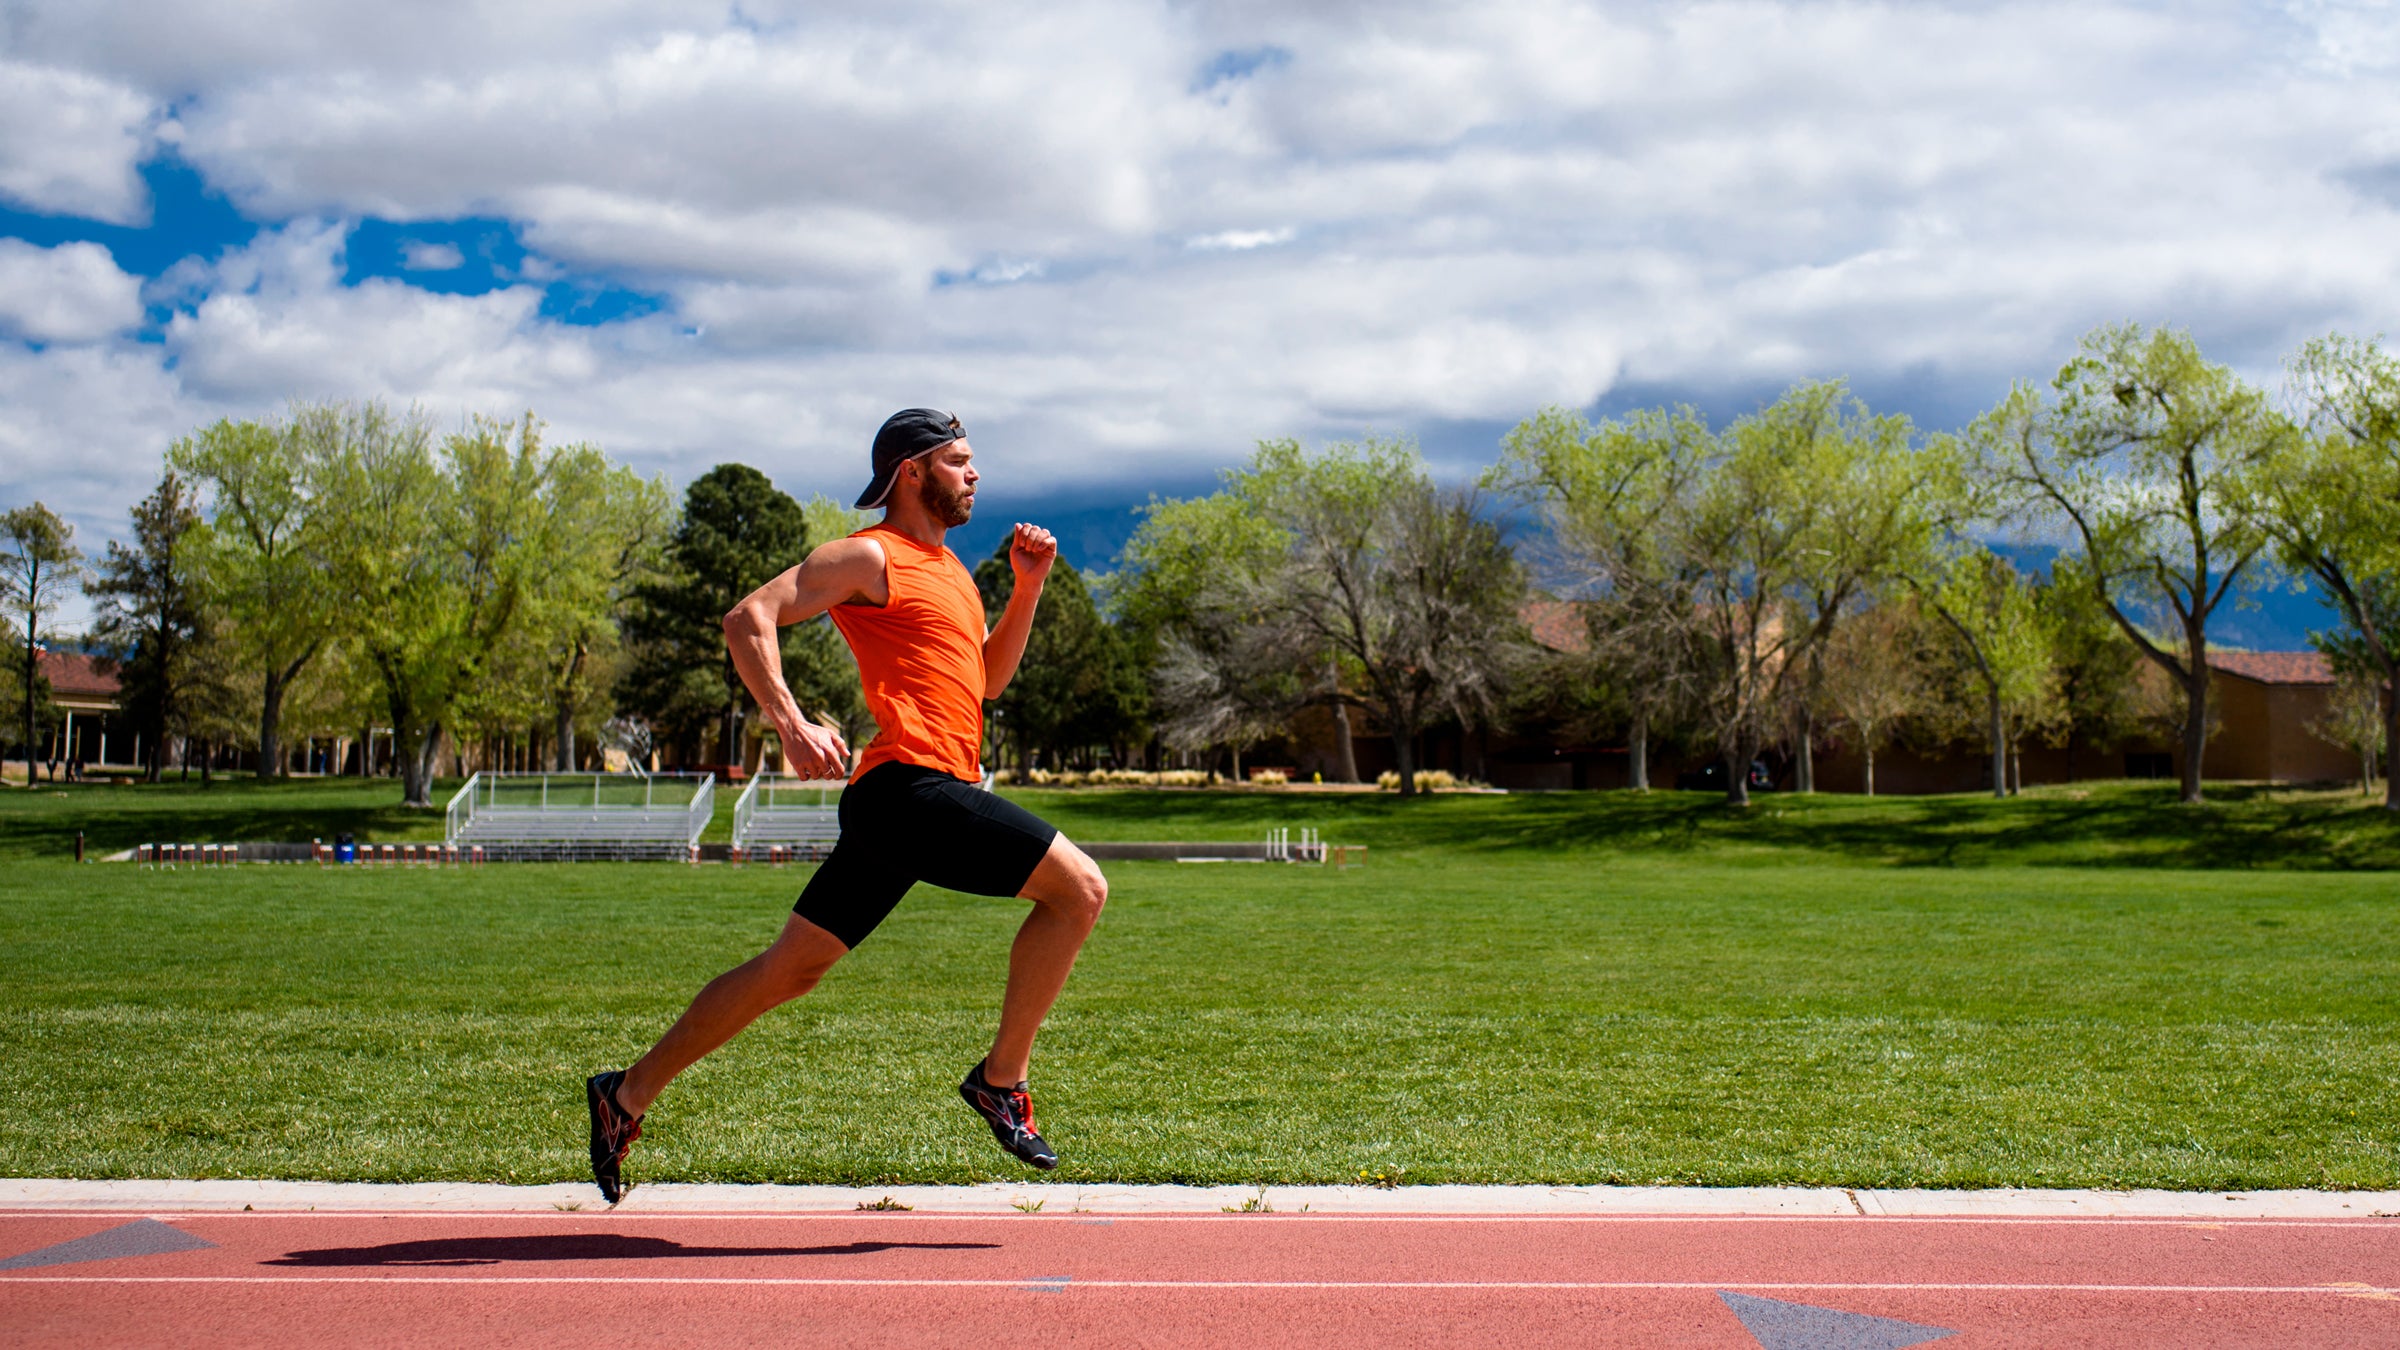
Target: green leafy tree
[[1341, 575], [154, 616], [737, 531], [1079, 685], [251, 558], [2330, 502], [1992, 613], [1189, 595], [1409, 588], [40, 563], [432, 555], [580, 594], [1612, 496], [2141, 450], [1801, 510], [2099, 697]]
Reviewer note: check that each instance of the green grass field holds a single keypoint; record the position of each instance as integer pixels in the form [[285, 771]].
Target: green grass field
[[2090, 989]]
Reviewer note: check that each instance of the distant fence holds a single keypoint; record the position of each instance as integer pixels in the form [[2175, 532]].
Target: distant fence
[[801, 816], [577, 817]]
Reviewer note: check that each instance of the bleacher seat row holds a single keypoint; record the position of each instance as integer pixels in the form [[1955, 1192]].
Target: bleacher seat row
[[572, 818]]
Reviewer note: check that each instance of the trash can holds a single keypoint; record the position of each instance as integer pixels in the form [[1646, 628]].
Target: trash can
[[345, 849]]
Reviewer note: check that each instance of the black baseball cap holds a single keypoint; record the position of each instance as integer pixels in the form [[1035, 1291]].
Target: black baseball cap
[[906, 434]]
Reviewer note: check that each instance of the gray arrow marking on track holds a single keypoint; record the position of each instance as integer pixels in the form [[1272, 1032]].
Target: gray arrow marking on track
[[1048, 1284], [142, 1237], [1798, 1326]]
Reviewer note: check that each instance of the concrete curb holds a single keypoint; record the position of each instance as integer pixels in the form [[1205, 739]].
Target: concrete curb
[[37, 1194]]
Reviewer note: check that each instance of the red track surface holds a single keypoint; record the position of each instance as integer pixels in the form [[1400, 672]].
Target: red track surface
[[926, 1279]]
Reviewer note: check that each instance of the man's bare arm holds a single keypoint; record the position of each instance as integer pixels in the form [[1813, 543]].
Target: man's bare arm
[[1030, 553], [838, 572]]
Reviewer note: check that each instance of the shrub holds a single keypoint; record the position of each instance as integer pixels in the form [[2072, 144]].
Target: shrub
[[1103, 778], [1270, 778], [1428, 780]]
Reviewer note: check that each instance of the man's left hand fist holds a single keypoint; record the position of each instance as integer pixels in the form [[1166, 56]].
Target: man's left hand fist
[[1030, 553]]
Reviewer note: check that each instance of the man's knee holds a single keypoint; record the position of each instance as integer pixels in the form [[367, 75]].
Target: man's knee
[[1077, 890], [800, 956]]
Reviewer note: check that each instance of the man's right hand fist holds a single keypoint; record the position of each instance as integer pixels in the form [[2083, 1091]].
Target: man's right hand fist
[[812, 750]]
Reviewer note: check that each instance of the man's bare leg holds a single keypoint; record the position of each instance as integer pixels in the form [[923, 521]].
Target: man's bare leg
[[788, 968], [1067, 892]]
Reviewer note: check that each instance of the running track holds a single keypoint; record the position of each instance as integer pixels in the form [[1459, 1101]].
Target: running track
[[921, 1279]]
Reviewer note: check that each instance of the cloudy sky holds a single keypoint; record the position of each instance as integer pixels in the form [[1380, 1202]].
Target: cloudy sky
[[1122, 239]]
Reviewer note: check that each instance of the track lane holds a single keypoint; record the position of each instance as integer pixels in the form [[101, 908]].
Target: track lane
[[1158, 1280]]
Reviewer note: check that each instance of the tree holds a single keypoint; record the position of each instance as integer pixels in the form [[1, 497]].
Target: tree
[[431, 556], [1192, 589], [1404, 583], [153, 615], [578, 595], [2141, 451], [1874, 675], [2330, 501], [1990, 610], [40, 562], [1078, 685], [737, 532], [1611, 496], [251, 557], [2099, 698], [1734, 555], [1804, 507], [1350, 558], [2354, 715]]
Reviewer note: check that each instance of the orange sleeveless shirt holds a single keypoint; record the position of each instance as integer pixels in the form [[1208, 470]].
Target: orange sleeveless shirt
[[920, 657]]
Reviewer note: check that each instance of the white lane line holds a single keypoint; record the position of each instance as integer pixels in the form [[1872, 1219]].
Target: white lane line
[[1022, 1281], [921, 1216]]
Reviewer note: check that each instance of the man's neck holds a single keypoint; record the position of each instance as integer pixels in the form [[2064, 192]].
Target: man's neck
[[913, 520]]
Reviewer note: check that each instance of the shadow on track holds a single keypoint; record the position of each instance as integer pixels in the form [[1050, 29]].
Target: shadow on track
[[492, 1251]]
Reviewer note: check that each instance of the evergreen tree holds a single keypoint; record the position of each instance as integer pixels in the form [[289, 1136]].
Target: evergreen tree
[[152, 616], [1079, 685], [738, 532]]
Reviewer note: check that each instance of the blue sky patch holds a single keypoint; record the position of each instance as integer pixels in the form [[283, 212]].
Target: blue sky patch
[[477, 254], [187, 218], [468, 256], [1228, 66], [589, 302], [449, 257]]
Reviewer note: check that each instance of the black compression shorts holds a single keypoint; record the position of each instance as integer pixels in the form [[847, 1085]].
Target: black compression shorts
[[902, 824]]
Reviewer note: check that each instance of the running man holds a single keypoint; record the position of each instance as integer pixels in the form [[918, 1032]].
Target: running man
[[915, 809]]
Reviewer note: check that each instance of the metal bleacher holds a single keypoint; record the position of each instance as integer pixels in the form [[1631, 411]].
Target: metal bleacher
[[800, 815], [582, 817]]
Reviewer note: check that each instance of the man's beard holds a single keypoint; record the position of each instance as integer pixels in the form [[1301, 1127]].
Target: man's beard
[[950, 508]]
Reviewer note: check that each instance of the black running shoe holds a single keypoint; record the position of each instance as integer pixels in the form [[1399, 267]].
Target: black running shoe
[[613, 1132], [1009, 1111]]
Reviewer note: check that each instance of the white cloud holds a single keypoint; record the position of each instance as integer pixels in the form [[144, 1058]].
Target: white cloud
[[278, 324], [1424, 215], [417, 255], [70, 142], [71, 293], [1238, 240]]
